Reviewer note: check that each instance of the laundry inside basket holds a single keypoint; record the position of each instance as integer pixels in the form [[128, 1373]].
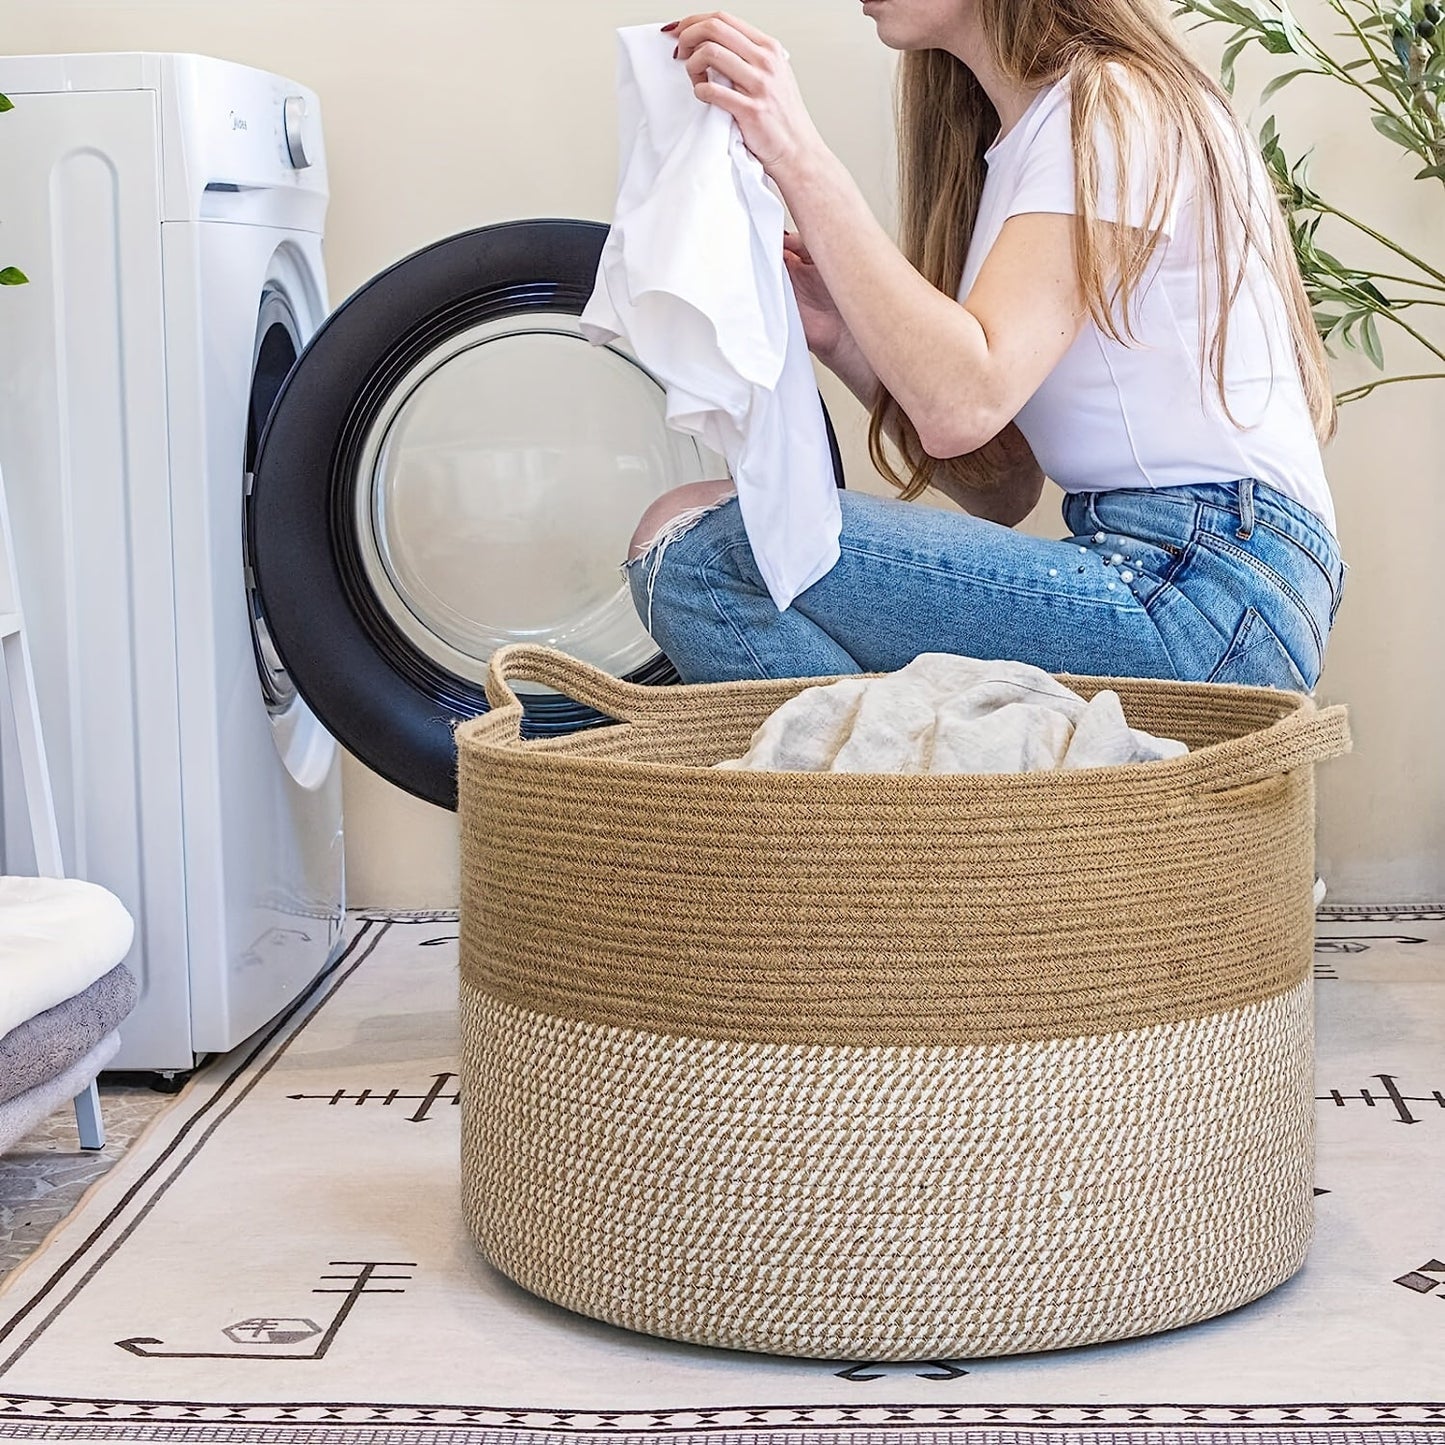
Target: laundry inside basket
[[944, 713]]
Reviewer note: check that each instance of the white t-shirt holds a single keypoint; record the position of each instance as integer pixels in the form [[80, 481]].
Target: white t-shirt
[[1111, 416]]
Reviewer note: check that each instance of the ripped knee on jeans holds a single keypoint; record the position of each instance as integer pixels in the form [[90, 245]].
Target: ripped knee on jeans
[[652, 551]]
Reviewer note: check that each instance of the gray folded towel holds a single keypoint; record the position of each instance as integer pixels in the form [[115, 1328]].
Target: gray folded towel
[[18, 1116], [38, 1050]]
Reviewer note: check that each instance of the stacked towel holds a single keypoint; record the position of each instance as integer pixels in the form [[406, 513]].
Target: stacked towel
[[57, 936], [47, 1045], [22, 1114], [63, 992]]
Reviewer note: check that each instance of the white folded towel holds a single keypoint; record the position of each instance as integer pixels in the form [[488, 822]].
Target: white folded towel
[[947, 714], [692, 275], [57, 936]]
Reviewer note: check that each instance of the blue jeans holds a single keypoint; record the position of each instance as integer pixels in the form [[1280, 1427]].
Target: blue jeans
[[1222, 582]]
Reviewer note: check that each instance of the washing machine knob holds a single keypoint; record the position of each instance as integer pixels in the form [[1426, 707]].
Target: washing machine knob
[[295, 118]]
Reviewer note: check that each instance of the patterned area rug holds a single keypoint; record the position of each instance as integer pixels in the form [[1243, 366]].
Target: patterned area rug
[[282, 1260], [43, 1177]]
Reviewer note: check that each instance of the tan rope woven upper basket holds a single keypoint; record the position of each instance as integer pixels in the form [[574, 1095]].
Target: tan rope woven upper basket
[[827, 1064]]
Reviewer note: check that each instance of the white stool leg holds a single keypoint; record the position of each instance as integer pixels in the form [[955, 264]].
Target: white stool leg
[[88, 1120]]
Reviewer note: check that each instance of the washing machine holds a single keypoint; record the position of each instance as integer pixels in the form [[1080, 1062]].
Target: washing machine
[[168, 211], [452, 466]]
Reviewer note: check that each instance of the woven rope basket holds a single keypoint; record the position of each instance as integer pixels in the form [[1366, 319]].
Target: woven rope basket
[[882, 1066]]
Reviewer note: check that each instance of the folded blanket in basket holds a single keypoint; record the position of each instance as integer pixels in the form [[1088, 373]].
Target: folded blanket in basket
[[39, 1049], [22, 1114], [947, 714]]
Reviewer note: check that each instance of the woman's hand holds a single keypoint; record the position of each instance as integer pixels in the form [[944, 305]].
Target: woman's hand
[[763, 98], [822, 323]]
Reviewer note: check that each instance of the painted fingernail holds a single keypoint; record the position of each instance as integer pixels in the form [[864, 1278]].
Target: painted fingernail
[[676, 50], [667, 29]]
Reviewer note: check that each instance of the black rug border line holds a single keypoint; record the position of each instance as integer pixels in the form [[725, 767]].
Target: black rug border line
[[415, 915], [332, 1433], [1382, 913], [966, 1415], [334, 976]]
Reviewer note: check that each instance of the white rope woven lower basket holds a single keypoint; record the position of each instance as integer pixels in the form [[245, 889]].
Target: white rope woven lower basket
[[892, 1203]]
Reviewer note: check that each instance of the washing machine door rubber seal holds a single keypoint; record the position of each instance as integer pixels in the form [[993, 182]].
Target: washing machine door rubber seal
[[393, 703]]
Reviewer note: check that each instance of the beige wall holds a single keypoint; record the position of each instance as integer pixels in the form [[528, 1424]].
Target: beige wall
[[445, 114]]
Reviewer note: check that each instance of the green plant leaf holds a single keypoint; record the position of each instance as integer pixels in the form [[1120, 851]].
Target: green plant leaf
[[1396, 129], [1226, 62], [1431, 172], [6, 104], [13, 276], [1296, 37], [1372, 341], [1280, 81], [1239, 14]]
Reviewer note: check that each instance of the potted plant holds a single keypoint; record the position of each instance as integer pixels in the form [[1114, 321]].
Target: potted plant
[[1397, 60]]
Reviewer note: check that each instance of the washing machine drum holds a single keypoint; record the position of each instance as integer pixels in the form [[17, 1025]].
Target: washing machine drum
[[451, 466]]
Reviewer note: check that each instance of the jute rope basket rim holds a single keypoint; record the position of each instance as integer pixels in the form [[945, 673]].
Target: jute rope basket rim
[[1282, 731]]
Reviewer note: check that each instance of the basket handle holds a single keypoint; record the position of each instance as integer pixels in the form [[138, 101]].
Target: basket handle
[[626, 701], [1302, 738]]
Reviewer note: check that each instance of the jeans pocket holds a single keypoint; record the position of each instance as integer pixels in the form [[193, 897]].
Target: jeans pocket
[[1339, 593], [1257, 657]]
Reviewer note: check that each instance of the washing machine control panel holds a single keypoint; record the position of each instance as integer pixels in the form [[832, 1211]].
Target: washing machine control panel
[[296, 138], [239, 145]]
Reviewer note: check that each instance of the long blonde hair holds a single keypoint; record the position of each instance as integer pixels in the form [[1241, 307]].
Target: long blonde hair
[[946, 122]]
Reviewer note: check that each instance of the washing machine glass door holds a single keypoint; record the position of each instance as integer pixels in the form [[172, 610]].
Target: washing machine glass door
[[497, 487], [450, 467], [306, 748]]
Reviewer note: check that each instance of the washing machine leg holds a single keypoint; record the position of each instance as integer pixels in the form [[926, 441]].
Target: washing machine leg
[[88, 1120]]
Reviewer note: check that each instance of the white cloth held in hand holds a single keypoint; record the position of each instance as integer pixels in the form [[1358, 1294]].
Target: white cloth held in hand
[[692, 275], [948, 714]]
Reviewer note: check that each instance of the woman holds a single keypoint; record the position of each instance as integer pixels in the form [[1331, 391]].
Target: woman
[[1084, 191]]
